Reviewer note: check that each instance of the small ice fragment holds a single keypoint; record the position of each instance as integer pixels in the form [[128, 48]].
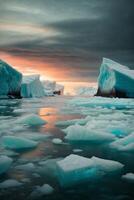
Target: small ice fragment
[[57, 141], [77, 150]]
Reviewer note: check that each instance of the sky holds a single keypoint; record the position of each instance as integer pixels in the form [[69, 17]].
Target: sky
[[66, 40]]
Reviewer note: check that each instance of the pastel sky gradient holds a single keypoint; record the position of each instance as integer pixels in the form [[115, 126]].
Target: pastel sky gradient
[[65, 40]]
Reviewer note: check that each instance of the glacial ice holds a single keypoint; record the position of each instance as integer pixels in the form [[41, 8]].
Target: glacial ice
[[124, 144], [129, 177], [5, 163], [10, 80], [77, 133], [75, 169], [32, 86], [115, 80], [17, 143], [31, 120], [10, 183], [59, 89]]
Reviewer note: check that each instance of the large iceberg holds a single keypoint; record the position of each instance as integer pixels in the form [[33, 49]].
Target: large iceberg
[[115, 80], [32, 86], [10, 80], [75, 169], [5, 163]]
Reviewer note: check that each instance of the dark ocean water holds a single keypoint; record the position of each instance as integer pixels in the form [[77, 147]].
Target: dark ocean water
[[54, 109]]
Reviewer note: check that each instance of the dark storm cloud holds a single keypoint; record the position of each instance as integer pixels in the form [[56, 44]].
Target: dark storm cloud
[[74, 33]]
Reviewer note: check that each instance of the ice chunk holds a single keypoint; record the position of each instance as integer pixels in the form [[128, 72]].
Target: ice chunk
[[124, 144], [18, 143], [57, 141], [5, 163], [41, 191], [115, 80], [79, 133], [31, 120], [32, 86], [10, 80], [75, 169], [10, 183], [129, 177]]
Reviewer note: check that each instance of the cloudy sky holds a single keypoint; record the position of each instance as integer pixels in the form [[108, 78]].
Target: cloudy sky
[[66, 39]]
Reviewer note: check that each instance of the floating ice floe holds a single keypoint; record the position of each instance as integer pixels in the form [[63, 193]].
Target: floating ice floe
[[77, 133], [42, 191], [75, 169], [10, 183], [5, 163], [129, 177], [56, 141], [17, 143], [124, 144], [32, 86], [10, 80], [115, 80], [102, 102], [31, 120]]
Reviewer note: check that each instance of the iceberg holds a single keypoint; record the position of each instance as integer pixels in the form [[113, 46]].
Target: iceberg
[[115, 80], [17, 143], [5, 163], [10, 80], [10, 183], [77, 133], [57, 141], [75, 169], [31, 120], [32, 86]]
